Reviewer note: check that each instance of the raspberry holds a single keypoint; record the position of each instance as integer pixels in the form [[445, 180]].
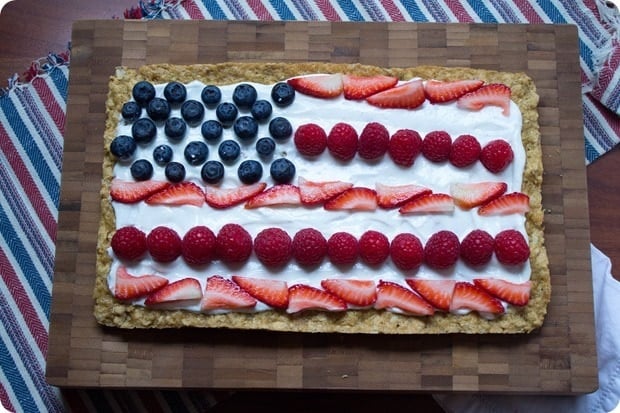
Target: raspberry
[[477, 247], [198, 246], [436, 146], [441, 250], [374, 141], [511, 247], [128, 243], [406, 251], [273, 247], [374, 247], [309, 247], [496, 155], [164, 244], [404, 146], [342, 141], [465, 151], [233, 243], [310, 139], [342, 248]]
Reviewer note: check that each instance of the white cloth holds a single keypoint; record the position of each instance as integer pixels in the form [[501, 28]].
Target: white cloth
[[604, 400]]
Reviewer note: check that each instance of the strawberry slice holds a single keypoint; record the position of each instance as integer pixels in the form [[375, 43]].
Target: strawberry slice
[[361, 293], [184, 289], [226, 197], [183, 193], [471, 194], [391, 295], [494, 94], [129, 286], [313, 193], [515, 294], [360, 87], [129, 192], [271, 292], [439, 92], [304, 297], [221, 293], [409, 95], [353, 199], [320, 86], [393, 196], [513, 203], [468, 296], [437, 292], [428, 203], [277, 195]]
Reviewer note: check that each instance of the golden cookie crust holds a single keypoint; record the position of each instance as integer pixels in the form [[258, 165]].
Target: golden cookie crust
[[111, 312]]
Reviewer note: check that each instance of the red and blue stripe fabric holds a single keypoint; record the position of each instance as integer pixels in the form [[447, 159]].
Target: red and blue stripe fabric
[[32, 114]]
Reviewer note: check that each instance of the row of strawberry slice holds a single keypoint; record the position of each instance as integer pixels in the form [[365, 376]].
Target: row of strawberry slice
[[491, 197], [385, 92], [419, 297], [332, 195]]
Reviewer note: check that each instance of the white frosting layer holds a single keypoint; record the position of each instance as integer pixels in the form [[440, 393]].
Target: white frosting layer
[[486, 124]]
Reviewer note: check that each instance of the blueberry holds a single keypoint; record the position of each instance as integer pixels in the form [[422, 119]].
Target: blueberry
[[162, 154], [282, 94], [282, 170], [212, 172], [175, 172], [265, 147], [211, 95], [244, 95], [226, 113], [192, 111], [141, 170], [123, 147], [175, 128], [158, 109], [131, 111], [211, 130], [143, 130], [246, 127], [261, 110], [175, 92], [280, 128], [196, 152], [143, 92], [250, 171], [229, 151]]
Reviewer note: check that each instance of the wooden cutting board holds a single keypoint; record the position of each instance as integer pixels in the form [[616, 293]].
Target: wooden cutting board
[[559, 358]]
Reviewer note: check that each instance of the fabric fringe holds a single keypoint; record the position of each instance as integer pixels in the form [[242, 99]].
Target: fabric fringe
[[151, 9], [39, 67], [610, 17]]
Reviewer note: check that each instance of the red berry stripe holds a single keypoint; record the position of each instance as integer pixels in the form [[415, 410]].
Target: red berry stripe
[[339, 195], [403, 147], [416, 297], [275, 248], [385, 91]]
